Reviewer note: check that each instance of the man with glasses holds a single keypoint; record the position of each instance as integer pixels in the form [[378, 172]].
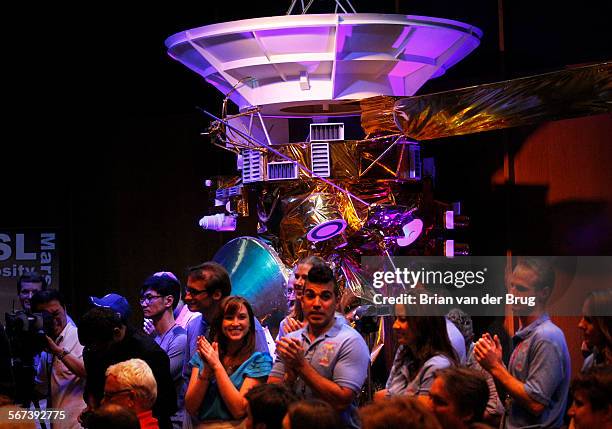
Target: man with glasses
[[326, 359], [159, 296], [182, 315], [207, 285], [132, 385]]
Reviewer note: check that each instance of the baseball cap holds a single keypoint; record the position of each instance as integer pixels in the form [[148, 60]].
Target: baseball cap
[[115, 302], [162, 278], [165, 274]]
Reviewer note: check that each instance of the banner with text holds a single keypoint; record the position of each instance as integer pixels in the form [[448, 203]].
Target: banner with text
[[486, 285], [23, 251]]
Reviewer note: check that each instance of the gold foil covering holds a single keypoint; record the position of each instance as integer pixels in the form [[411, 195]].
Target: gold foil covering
[[303, 204], [354, 160], [559, 95], [377, 116], [305, 207]]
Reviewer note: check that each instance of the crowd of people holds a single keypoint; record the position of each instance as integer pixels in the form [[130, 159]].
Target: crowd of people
[[201, 360]]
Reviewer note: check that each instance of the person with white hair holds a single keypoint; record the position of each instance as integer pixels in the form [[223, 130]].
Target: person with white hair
[[109, 340], [131, 384]]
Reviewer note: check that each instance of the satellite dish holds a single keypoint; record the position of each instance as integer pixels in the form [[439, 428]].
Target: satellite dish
[[300, 65]]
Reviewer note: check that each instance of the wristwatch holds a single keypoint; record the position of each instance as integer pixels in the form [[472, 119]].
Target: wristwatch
[[63, 354]]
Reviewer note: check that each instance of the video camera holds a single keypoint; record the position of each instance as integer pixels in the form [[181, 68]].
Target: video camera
[[26, 332], [26, 335]]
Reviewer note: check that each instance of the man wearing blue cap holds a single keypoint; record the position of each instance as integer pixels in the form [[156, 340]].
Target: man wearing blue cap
[[108, 339], [115, 302]]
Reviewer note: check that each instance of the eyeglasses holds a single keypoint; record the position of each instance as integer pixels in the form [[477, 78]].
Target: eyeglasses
[[194, 292], [149, 298], [109, 395]]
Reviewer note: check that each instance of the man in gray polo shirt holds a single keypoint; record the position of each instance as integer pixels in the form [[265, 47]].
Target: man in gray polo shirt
[[327, 359], [538, 375]]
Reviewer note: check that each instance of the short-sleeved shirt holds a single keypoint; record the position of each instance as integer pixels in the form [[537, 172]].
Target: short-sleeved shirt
[[541, 361], [401, 382], [173, 343], [340, 355], [213, 407], [183, 316], [66, 387]]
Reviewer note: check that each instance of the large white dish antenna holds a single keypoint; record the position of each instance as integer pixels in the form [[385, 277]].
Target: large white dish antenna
[[320, 65]]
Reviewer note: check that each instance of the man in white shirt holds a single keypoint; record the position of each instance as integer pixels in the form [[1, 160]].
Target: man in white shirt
[[61, 373]]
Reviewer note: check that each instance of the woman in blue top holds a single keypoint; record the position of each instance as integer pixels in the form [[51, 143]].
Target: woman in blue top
[[224, 371], [424, 348]]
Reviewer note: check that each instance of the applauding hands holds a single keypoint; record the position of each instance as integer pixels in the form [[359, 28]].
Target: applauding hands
[[210, 355], [488, 351], [291, 351]]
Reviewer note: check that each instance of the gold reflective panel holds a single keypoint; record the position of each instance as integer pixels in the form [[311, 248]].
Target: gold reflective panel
[[354, 160], [552, 96], [289, 209]]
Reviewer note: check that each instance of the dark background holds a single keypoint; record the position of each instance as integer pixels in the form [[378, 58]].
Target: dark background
[[102, 138]]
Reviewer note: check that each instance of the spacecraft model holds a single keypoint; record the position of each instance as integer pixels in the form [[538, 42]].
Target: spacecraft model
[[328, 188], [329, 132]]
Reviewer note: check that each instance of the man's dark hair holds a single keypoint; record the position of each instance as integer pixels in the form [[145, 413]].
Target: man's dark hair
[[322, 275], [468, 389], [463, 322], [97, 325], [113, 416], [32, 277], [164, 285], [399, 412], [596, 384], [313, 414], [269, 403], [215, 276], [45, 296]]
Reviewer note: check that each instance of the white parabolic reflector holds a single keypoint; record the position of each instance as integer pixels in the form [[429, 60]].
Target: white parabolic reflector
[[303, 65]]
